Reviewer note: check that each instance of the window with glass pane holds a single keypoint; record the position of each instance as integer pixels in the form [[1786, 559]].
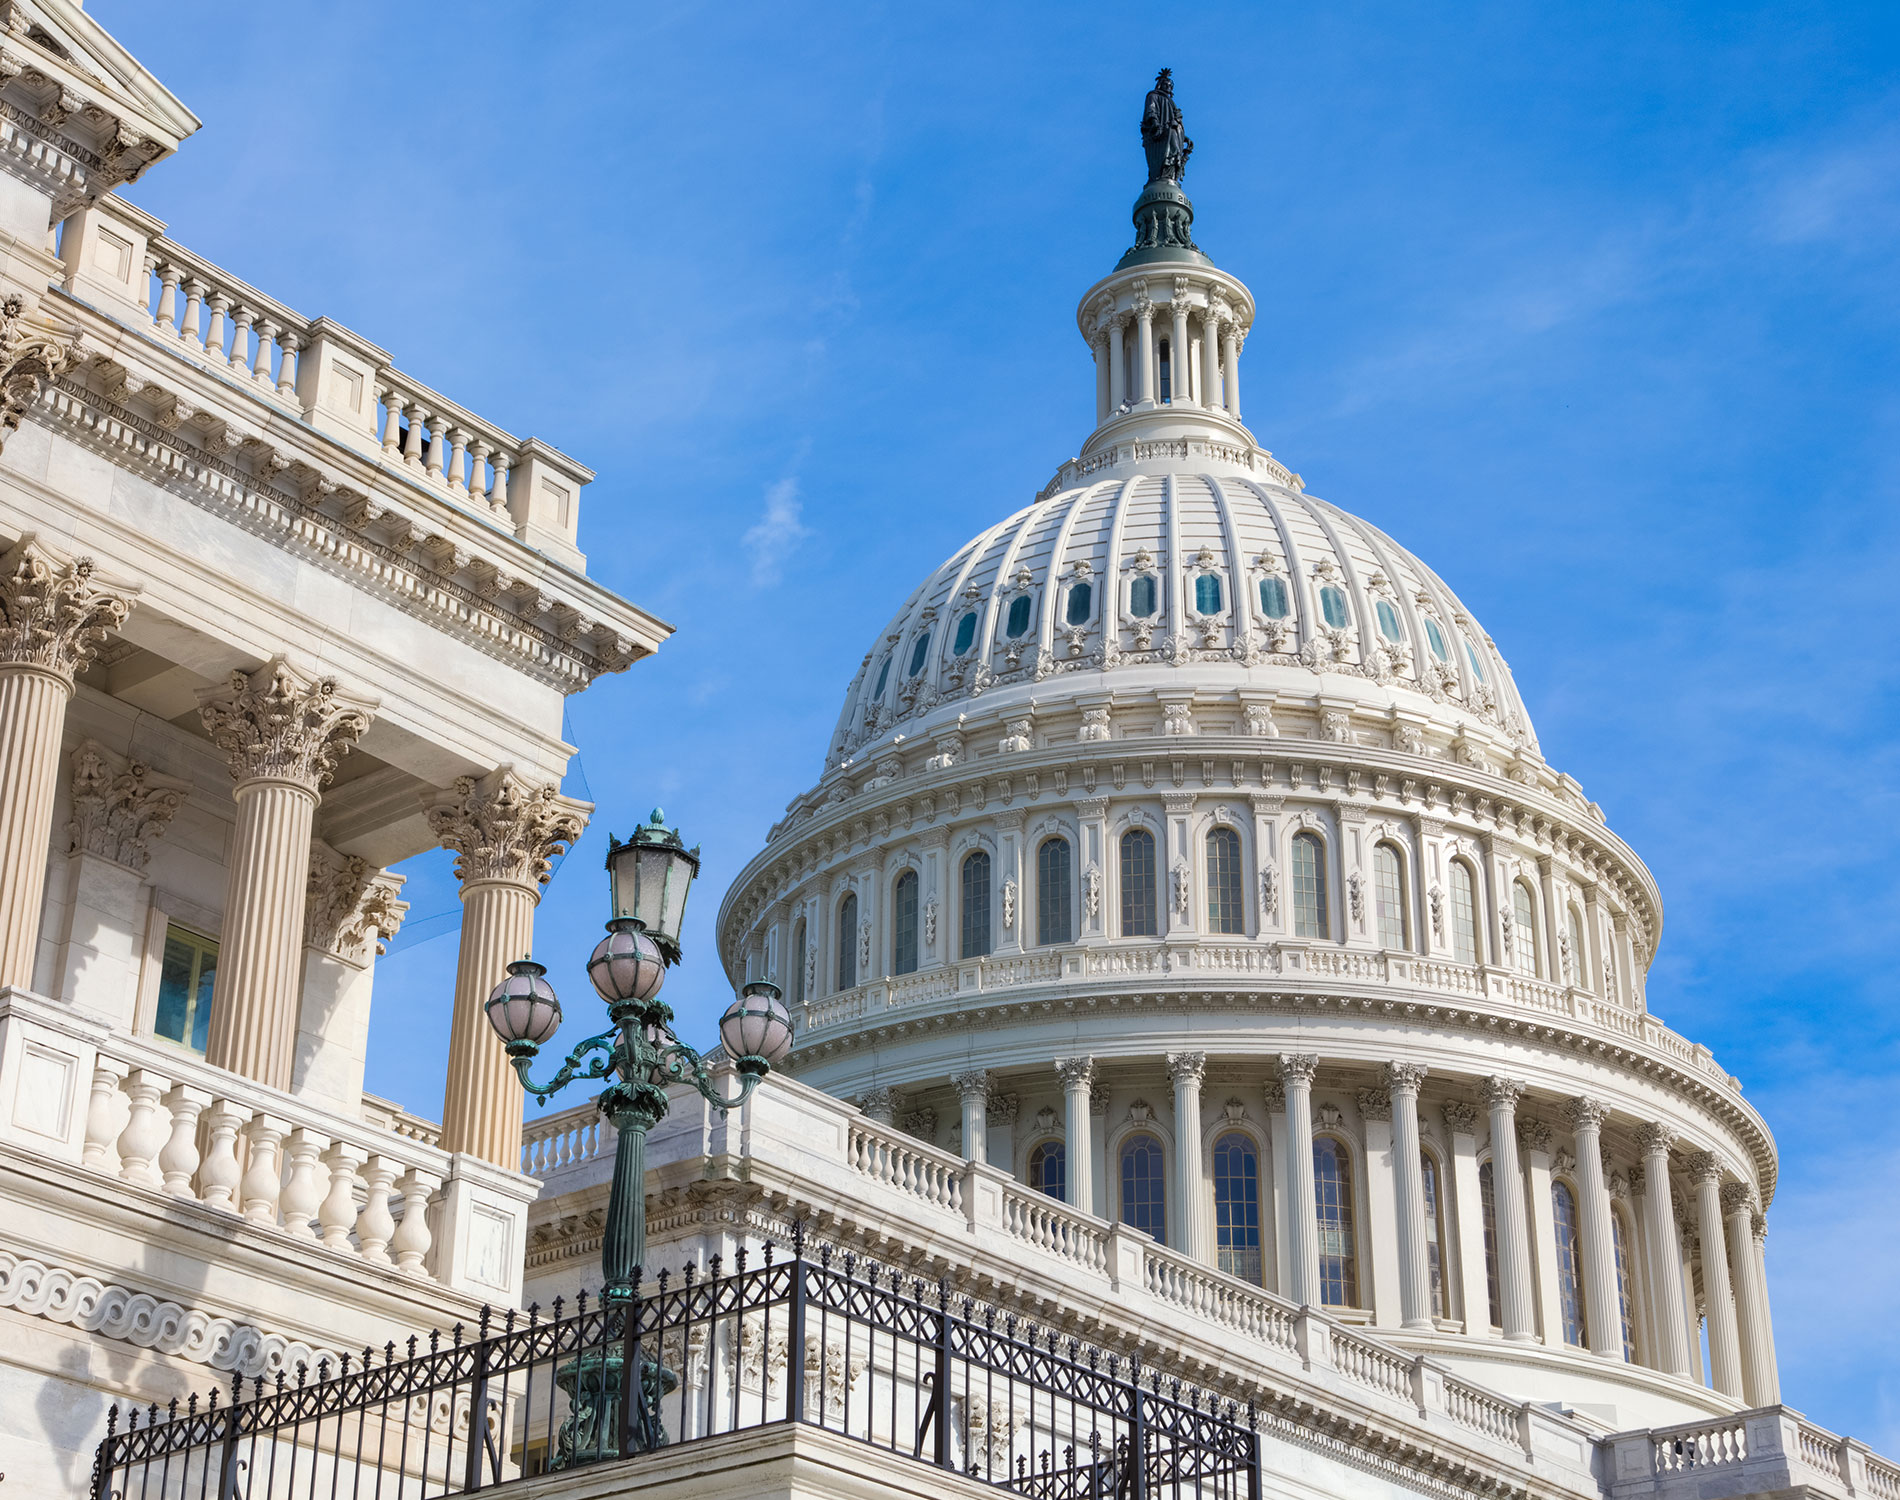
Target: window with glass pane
[[1464, 913], [1435, 638], [976, 905], [1471, 655], [966, 633], [1488, 1209], [1338, 1250], [1167, 371], [1625, 1296], [918, 652], [848, 942], [1048, 1170], [1019, 609], [184, 988], [1237, 1206], [1434, 1230], [1524, 919], [1081, 600], [798, 964], [1224, 912], [883, 676], [1388, 883], [1388, 620], [1141, 596], [1273, 601], [1579, 959], [1140, 913], [1144, 1194], [1332, 604], [1054, 897], [904, 924], [1563, 1205], [1309, 886], [1207, 594]]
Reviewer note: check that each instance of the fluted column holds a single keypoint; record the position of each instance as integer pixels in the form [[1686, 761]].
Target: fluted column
[[505, 832], [1738, 1215], [1665, 1250], [1078, 1077], [1769, 1375], [1230, 365], [1210, 359], [1725, 1353], [1181, 383], [1296, 1076], [282, 735], [1144, 346], [1507, 1194], [973, 1094], [1187, 1070], [1603, 1300], [1117, 363], [1402, 1082]]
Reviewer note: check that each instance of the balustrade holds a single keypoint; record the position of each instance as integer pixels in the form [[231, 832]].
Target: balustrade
[[1042, 1221], [901, 1162], [565, 1140]]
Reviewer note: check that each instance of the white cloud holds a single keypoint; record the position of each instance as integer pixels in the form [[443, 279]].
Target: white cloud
[[776, 533]]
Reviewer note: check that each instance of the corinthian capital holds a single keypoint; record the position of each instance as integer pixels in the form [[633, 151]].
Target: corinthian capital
[[53, 615], [1404, 1078], [350, 904], [1655, 1140], [1076, 1072], [29, 357], [1737, 1197], [119, 807], [504, 828], [1501, 1093], [1704, 1166], [1586, 1114], [972, 1085], [1298, 1066], [1187, 1068], [275, 724]]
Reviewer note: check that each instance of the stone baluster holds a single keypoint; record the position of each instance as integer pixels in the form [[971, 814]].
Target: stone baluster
[[411, 1240], [241, 319], [217, 325], [1232, 336], [1296, 1075], [337, 1213], [1725, 1354], [1603, 1299], [102, 1115], [1768, 1373], [178, 1162], [438, 447], [1665, 1251], [221, 1175], [150, 299], [1402, 1081], [1078, 1079], [267, 332], [1117, 364], [973, 1096], [1187, 1069], [506, 833], [412, 440], [1144, 346], [146, 1131], [287, 366], [1514, 1248], [458, 461], [392, 421], [282, 735], [478, 452], [168, 276], [262, 1183], [375, 1225], [53, 615], [498, 491], [305, 1187], [194, 300]]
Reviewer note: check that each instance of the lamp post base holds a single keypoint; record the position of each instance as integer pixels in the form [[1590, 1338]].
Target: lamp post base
[[591, 1381]]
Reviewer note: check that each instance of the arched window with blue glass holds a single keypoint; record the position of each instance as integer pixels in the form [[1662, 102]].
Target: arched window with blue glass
[[1563, 1207], [1332, 607], [1387, 615], [904, 924], [1309, 886], [848, 942], [1274, 603], [1236, 1164], [974, 904], [1524, 944], [1140, 909], [918, 652], [966, 634], [1049, 1170], [1055, 893], [1144, 1195], [1225, 913], [1022, 615], [1081, 602], [1207, 594], [1144, 596], [883, 676], [1338, 1236], [1464, 913], [1471, 655], [1435, 638]]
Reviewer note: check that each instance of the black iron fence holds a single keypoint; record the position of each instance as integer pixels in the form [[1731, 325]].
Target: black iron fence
[[830, 1340]]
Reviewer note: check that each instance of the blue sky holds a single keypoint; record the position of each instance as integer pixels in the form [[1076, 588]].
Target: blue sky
[[1593, 306]]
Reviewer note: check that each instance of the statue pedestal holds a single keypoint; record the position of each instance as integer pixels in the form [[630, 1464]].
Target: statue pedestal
[[1164, 223]]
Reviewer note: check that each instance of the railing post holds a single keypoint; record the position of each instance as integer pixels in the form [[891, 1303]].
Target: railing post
[[1136, 1484], [102, 1464], [940, 1397], [478, 1412], [795, 1346], [228, 1471], [1256, 1484]]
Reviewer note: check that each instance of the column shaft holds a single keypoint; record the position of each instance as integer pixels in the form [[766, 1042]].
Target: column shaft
[[481, 1107], [1770, 1373], [1725, 1355], [1415, 1283], [1210, 364], [1192, 1236], [1181, 386], [1751, 1326], [1665, 1249], [1078, 1075], [1145, 351], [1117, 365], [1507, 1185], [973, 1097], [1296, 1072], [1603, 1301], [1230, 362], [32, 717]]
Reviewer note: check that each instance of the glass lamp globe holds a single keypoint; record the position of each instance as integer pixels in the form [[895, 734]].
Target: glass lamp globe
[[626, 964], [523, 1007], [651, 875], [756, 1029]]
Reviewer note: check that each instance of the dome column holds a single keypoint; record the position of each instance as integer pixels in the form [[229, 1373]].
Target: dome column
[[1514, 1251], [1296, 1076], [1078, 1077], [1117, 363], [1144, 346], [1415, 1277], [1603, 1298], [1757, 1351], [1231, 337], [1187, 1070], [1665, 1252], [973, 1098], [1099, 343], [1180, 382], [1725, 1354], [1210, 358], [1767, 1374]]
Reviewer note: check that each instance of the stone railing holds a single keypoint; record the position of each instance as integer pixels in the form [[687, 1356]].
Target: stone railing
[[1050, 1225], [1771, 1449], [565, 1139], [160, 1120], [384, 1114], [906, 1164]]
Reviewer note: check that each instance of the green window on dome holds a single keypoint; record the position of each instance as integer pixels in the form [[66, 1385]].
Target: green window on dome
[[1435, 638], [1388, 620], [1141, 596], [918, 652], [966, 634], [1273, 598], [1471, 655], [1019, 616], [1081, 597], [1332, 604], [883, 676], [1207, 594]]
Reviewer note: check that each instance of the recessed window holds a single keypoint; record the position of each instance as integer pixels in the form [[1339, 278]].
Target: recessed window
[[1620, 1237], [1054, 898], [1207, 594], [976, 905], [1435, 638], [1388, 620], [1237, 1205], [1139, 916], [1434, 1230], [883, 676], [1048, 1170], [1081, 600], [1273, 602], [1488, 1212], [1019, 608], [966, 634], [1338, 1245], [1141, 597], [1144, 1200], [1224, 914], [904, 924], [1579, 964], [1471, 655], [1563, 1206], [1464, 913], [1524, 919], [1388, 881], [848, 943], [1167, 372], [184, 988], [1309, 886], [798, 964], [1332, 604], [918, 652]]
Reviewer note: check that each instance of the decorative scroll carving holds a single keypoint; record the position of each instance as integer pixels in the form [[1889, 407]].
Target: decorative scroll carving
[[1501, 1093], [275, 724], [29, 357], [504, 828], [52, 613], [118, 813], [350, 904], [1461, 1117], [1076, 1072], [1375, 1104]]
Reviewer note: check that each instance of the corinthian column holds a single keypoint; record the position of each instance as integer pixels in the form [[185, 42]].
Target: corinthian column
[[52, 618], [1507, 1197], [1402, 1082], [1665, 1250], [1296, 1076], [1768, 1373], [506, 833], [1738, 1217], [1078, 1076], [1188, 1069], [1725, 1355], [1603, 1297], [973, 1093], [282, 735]]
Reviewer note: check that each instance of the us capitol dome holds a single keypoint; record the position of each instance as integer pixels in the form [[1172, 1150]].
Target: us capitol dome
[[1185, 849]]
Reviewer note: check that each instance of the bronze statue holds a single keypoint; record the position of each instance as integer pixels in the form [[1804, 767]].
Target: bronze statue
[[1163, 136]]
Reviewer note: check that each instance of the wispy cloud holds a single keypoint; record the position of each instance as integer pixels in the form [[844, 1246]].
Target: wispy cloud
[[776, 533]]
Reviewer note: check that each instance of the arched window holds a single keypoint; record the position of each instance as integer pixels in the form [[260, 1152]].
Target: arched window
[[918, 652], [798, 962], [1048, 1170], [1579, 955], [1625, 1293], [1524, 920], [1471, 655], [1141, 596], [1338, 1249], [1464, 913], [1388, 620], [1332, 604], [1166, 384], [1140, 914], [1273, 601], [848, 942], [904, 924], [1054, 896], [1207, 595], [1237, 1205], [1435, 638], [1144, 1192], [1563, 1205], [1488, 1207], [1388, 887], [1019, 609], [1224, 912], [1081, 598], [976, 905], [1309, 886], [966, 633], [1434, 1230], [883, 676]]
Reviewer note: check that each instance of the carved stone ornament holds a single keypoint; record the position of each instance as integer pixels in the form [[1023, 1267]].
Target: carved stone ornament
[[1091, 891], [921, 1123], [1009, 904], [1655, 1140], [1704, 1166], [1461, 1117], [1002, 1109], [1404, 1078], [1183, 883], [1187, 1069], [1298, 1065], [52, 614], [1587, 1114], [930, 923], [972, 1085], [29, 357], [1501, 1093], [1375, 1104], [1270, 889], [274, 724], [1737, 1196], [117, 813], [1534, 1135], [350, 904], [504, 828], [1273, 1095]]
